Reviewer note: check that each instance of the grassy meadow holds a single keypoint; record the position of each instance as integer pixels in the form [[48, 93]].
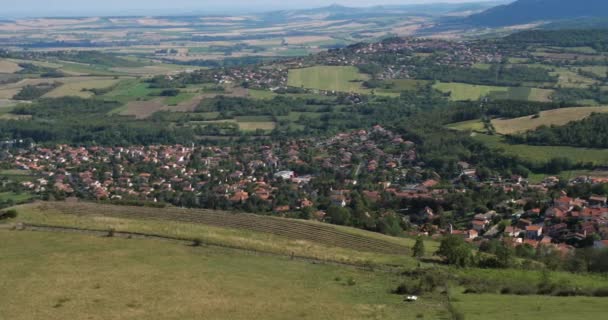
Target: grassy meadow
[[332, 78], [507, 307], [56, 276], [545, 153], [246, 239], [465, 91], [555, 117]]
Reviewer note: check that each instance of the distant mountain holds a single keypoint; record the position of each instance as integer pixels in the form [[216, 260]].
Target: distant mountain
[[527, 11], [339, 12]]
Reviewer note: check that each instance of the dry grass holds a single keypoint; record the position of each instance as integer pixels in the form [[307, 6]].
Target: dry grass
[[306, 39], [551, 117], [7, 66], [253, 126]]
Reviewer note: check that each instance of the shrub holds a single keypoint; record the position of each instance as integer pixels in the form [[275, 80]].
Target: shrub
[[525, 291], [566, 292], [351, 282], [197, 242], [601, 292], [8, 214], [410, 288], [111, 233]]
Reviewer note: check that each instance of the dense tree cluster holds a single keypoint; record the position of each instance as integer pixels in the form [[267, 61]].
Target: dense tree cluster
[[591, 132]]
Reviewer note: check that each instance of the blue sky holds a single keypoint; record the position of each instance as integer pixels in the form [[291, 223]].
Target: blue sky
[[135, 7]]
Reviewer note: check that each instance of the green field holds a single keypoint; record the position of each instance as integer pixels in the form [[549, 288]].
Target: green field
[[555, 117], [79, 88], [508, 307], [129, 90], [58, 276], [331, 78], [182, 97], [464, 91], [280, 236], [545, 153], [16, 197], [472, 125]]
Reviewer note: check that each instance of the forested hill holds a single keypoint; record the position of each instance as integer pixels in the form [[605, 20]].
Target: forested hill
[[526, 11]]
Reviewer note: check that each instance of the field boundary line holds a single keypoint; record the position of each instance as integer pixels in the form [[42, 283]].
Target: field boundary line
[[190, 241]]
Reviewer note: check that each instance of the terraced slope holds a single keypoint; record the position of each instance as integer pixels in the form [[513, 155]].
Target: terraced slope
[[289, 228]]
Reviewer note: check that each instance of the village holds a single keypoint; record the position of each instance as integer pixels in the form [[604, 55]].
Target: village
[[308, 178]]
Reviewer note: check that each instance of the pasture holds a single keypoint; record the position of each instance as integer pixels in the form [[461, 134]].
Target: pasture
[[556, 117], [142, 109], [464, 91], [57, 275], [267, 234], [543, 154], [330, 78], [80, 88], [507, 307], [15, 197]]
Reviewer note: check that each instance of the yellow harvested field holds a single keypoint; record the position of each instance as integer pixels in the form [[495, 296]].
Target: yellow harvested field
[[555, 117], [7, 66], [78, 89], [306, 39], [253, 126], [8, 94]]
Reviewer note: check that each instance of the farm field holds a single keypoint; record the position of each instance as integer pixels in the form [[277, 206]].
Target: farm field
[[555, 117], [331, 78], [546, 153], [79, 88], [119, 279], [570, 79], [507, 307], [7, 66], [142, 109], [472, 125], [463, 91]]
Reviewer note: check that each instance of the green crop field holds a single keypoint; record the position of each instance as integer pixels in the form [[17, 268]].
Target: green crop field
[[463, 91], [261, 94], [129, 90], [555, 117], [331, 78], [546, 153], [57, 275]]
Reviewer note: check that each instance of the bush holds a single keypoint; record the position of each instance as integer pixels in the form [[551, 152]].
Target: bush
[[351, 282], [410, 288], [111, 233], [601, 292], [525, 291], [8, 214], [197, 242]]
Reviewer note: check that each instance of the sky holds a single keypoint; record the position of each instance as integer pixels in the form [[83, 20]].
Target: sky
[[32, 8]]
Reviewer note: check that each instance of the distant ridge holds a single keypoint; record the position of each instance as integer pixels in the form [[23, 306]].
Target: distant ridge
[[528, 11]]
